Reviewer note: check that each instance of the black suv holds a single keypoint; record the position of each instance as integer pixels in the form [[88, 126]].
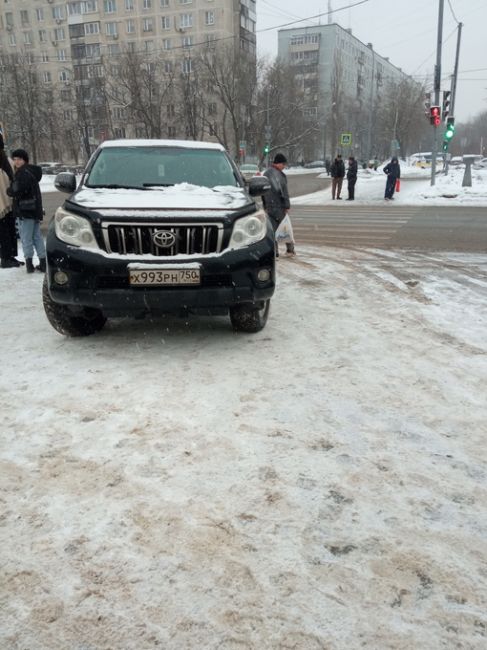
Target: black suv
[[154, 227]]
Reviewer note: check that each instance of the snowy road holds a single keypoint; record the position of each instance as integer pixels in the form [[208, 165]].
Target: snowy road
[[319, 485]]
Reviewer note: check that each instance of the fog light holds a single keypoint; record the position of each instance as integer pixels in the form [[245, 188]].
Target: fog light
[[264, 275], [60, 277]]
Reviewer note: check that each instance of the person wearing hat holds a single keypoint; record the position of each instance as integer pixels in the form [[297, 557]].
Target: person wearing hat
[[27, 208], [276, 201], [8, 235]]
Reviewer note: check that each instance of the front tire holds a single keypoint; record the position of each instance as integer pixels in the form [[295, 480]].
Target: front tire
[[247, 317], [87, 322]]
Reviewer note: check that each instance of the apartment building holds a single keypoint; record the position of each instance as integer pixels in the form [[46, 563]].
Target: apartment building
[[71, 42], [343, 80]]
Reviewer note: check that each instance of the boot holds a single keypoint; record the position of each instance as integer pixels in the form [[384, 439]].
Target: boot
[[42, 265], [29, 267], [6, 263]]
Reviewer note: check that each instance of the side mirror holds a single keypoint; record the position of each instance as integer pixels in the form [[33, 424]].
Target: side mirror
[[259, 185], [65, 182]]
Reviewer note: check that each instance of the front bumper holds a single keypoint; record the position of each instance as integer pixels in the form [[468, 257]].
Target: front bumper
[[101, 281]]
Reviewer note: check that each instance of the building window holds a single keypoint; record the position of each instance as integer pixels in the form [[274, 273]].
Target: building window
[[146, 4], [171, 111], [209, 17], [61, 55], [165, 22], [212, 109], [166, 43], [167, 67], [187, 41], [110, 6], [63, 76], [164, 4], [40, 14], [171, 131], [119, 132], [111, 29], [129, 5], [46, 76], [42, 36], [118, 112], [45, 57], [185, 21], [130, 26], [24, 16], [58, 12], [59, 34], [185, 2], [92, 28], [147, 25], [186, 66]]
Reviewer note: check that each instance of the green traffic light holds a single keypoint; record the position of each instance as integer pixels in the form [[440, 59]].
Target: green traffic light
[[449, 134]]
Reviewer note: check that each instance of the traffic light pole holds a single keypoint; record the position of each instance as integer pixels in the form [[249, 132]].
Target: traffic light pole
[[437, 88], [454, 78]]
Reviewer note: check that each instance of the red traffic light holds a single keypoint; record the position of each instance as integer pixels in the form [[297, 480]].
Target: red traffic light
[[435, 115]]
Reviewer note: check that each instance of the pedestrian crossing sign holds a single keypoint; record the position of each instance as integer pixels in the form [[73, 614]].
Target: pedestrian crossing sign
[[346, 139]]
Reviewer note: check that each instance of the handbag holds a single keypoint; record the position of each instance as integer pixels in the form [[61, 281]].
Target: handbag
[[398, 185], [27, 205]]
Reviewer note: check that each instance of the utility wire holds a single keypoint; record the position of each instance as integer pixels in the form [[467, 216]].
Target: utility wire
[[325, 13], [453, 13]]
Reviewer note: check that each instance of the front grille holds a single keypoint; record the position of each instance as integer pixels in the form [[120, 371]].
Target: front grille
[[184, 238]]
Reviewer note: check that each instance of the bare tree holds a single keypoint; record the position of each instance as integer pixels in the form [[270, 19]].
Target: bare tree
[[232, 79]]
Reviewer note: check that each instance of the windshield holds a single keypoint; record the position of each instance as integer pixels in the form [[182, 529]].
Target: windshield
[[145, 167]]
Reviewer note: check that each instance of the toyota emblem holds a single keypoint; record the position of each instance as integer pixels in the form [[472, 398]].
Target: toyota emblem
[[164, 238]]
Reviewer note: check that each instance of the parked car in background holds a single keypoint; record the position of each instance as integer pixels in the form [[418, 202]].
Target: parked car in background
[[249, 170], [456, 161], [53, 167], [314, 164], [480, 164]]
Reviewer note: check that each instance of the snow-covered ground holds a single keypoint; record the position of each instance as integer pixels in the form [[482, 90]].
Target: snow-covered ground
[[321, 484], [447, 190]]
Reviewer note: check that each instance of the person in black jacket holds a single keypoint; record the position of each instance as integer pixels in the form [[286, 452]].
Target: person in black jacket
[[8, 235], [352, 177], [27, 208], [393, 171], [276, 200], [337, 171]]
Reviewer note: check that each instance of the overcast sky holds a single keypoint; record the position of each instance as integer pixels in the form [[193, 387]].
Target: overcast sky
[[403, 30]]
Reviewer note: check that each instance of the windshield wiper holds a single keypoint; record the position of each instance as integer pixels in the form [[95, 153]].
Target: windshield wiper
[[158, 184], [114, 186]]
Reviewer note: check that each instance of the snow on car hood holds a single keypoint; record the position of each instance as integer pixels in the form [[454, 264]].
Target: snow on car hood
[[180, 196]]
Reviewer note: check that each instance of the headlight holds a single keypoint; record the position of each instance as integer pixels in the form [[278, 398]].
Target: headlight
[[248, 230], [75, 230]]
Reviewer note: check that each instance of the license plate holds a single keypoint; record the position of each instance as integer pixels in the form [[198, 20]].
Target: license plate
[[164, 277]]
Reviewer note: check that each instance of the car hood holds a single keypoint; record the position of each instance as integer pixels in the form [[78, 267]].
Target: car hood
[[182, 196]]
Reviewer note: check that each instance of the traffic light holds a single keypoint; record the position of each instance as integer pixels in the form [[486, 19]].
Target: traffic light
[[450, 129], [449, 133], [266, 148], [435, 115], [446, 104]]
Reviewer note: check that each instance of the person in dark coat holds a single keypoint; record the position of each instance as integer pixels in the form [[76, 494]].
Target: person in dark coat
[[328, 166], [337, 172], [393, 171], [352, 177], [27, 208], [276, 200], [8, 235]]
